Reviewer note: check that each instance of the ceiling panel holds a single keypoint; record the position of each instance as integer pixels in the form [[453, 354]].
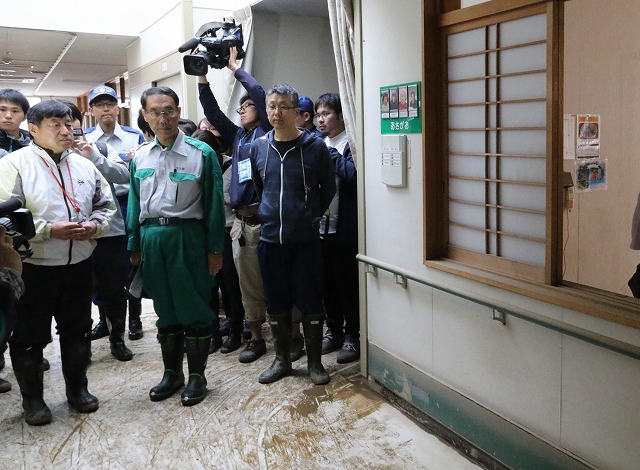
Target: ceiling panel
[[28, 55]]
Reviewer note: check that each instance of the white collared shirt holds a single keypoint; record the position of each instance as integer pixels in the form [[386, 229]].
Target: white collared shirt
[[120, 140], [169, 180]]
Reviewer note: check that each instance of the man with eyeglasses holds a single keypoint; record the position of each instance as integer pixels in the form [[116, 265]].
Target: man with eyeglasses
[[295, 180], [103, 105], [339, 233], [111, 265], [176, 225], [72, 205], [245, 232]]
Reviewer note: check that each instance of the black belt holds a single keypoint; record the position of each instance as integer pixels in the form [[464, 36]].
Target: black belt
[[249, 220], [168, 221]]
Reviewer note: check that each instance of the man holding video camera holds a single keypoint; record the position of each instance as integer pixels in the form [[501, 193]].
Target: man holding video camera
[[245, 232], [71, 205]]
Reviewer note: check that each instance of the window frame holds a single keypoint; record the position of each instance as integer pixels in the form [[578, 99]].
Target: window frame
[[441, 17]]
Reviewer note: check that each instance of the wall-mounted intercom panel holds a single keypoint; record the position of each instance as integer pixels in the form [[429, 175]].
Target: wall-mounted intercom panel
[[394, 160]]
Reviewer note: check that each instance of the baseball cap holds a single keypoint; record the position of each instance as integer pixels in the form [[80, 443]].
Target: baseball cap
[[102, 90], [305, 104]]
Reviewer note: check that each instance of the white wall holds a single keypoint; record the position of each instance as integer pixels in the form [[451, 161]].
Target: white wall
[[84, 17], [296, 50], [602, 66], [575, 395]]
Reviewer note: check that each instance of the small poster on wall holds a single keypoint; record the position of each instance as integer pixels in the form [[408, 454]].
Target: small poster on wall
[[588, 136], [591, 174]]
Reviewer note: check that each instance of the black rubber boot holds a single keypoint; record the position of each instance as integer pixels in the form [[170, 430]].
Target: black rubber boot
[[116, 320], [27, 366], [172, 346], [216, 338], [281, 366], [135, 324], [101, 329], [313, 342], [198, 344], [75, 357], [232, 343]]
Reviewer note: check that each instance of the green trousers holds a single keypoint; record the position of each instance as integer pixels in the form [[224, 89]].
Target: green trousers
[[176, 275]]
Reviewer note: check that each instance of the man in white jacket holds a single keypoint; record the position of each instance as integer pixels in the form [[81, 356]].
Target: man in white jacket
[[71, 205], [110, 258]]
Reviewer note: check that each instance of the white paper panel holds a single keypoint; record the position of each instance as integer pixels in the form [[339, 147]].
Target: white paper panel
[[524, 59], [462, 165], [467, 116], [524, 142], [466, 92], [467, 238], [466, 67], [523, 114], [463, 141], [523, 169], [467, 214], [525, 197], [523, 30], [466, 42], [522, 223], [519, 87], [524, 251], [466, 190]]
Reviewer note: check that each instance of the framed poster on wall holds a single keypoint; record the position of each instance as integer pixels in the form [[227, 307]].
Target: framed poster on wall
[[400, 109]]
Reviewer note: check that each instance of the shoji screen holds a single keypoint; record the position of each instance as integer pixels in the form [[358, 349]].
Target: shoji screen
[[497, 140]]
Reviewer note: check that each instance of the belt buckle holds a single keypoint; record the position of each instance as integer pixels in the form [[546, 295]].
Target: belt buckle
[[163, 220]]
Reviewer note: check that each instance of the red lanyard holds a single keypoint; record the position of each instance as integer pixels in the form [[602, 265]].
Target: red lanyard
[[73, 203]]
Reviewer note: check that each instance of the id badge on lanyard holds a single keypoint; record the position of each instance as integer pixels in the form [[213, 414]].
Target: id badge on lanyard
[[244, 170]]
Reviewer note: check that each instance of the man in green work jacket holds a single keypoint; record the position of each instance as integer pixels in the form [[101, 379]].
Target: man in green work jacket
[[176, 235]]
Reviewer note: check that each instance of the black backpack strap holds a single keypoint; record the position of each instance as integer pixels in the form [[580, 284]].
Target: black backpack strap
[[102, 148]]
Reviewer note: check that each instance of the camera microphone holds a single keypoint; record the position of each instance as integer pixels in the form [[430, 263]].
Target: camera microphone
[[189, 45], [9, 206]]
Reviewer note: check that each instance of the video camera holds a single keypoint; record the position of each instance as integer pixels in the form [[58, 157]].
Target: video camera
[[216, 38], [19, 226]]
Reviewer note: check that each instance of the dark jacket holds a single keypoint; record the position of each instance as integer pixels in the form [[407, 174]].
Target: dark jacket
[[11, 144], [347, 192], [295, 189], [240, 194]]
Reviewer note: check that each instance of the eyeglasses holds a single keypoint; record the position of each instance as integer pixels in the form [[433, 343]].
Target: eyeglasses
[[244, 107], [324, 115], [105, 104], [284, 109], [168, 112]]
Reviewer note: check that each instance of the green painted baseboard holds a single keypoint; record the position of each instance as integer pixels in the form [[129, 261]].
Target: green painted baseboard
[[509, 445]]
